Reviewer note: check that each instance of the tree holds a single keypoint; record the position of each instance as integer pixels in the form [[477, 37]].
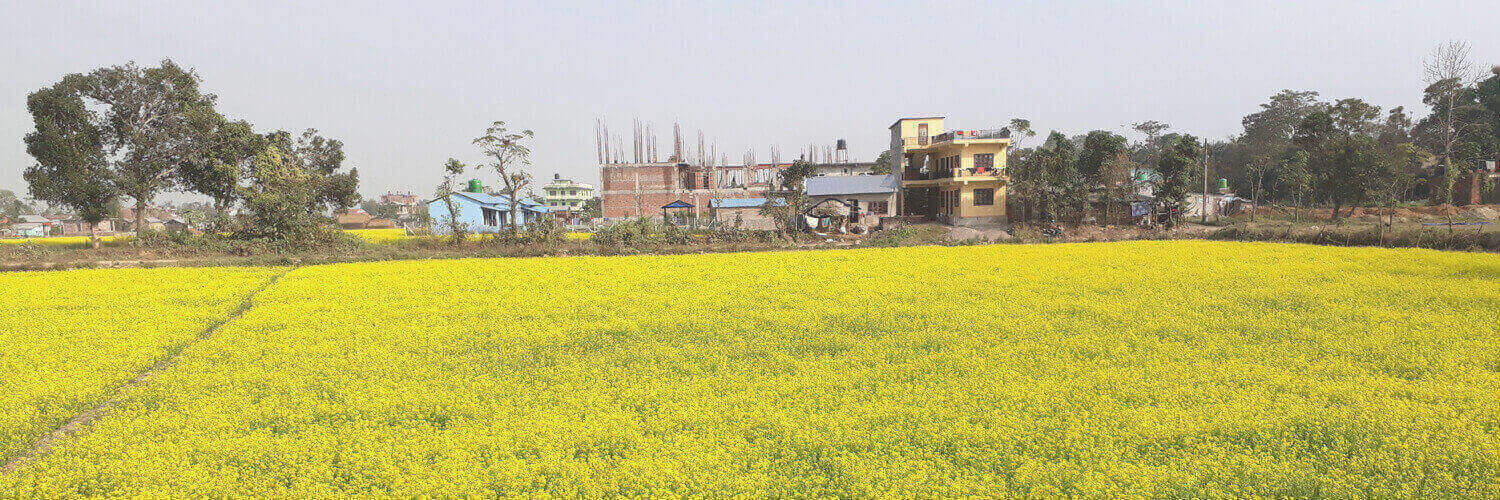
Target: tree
[[1293, 178], [71, 168], [12, 205], [786, 203], [1099, 148], [1173, 167], [1355, 117], [593, 208], [452, 169], [1020, 130], [1269, 131], [1396, 129], [882, 163], [141, 123], [1444, 72], [226, 150], [792, 177], [1487, 92], [321, 158], [1151, 149], [510, 156], [1046, 179], [277, 198]]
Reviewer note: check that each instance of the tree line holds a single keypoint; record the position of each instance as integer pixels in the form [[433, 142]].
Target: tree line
[[128, 134], [1297, 149]]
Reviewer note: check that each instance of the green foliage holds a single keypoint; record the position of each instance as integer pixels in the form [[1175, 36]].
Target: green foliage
[[1099, 148], [216, 168], [71, 167], [593, 208], [1047, 180], [882, 163], [321, 159], [277, 199], [1174, 166]]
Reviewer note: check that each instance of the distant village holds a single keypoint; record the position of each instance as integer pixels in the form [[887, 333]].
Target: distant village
[[955, 177]]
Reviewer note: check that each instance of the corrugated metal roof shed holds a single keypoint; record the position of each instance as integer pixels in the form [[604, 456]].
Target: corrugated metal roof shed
[[838, 185], [737, 202]]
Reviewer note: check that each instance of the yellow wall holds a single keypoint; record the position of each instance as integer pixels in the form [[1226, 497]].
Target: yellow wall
[[906, 128], [966, 207]]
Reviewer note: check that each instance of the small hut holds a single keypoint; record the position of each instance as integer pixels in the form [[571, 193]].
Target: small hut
[[677, 211]]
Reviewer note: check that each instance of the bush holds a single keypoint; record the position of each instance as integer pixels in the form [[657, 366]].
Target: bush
[[898, 235]]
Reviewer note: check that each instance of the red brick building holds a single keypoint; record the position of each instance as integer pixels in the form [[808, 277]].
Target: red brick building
[[641, 189]]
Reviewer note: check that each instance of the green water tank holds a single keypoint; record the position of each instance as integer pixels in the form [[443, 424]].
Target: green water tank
[[1223, 183], [475, 186]]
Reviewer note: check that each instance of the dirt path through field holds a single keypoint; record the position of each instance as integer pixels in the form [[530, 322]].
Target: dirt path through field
[[80, 422]]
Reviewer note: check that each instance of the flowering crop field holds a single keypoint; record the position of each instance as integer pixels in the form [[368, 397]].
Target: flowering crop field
[[67, 241], [395, 235], [71, 337], [1184, 369]]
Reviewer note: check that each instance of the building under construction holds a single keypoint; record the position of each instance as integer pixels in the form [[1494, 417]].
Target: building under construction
[[640, 184]]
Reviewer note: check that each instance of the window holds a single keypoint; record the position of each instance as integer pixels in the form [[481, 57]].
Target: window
[[922, 134], [984, 162], [489, 217], [879, 207], [984, 197]]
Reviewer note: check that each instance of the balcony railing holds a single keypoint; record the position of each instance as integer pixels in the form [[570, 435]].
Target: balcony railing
[[943, 173], [971, 134]]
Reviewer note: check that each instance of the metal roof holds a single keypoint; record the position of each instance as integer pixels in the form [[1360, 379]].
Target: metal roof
[[836, 185], [678, 204], [737, 202], [498, 201]]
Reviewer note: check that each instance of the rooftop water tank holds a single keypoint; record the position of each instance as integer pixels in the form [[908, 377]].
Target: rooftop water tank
[[475, 186]]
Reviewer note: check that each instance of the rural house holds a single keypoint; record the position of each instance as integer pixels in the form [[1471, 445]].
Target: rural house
[[865, 199], [30, 226], [955, 177], [482, 212]]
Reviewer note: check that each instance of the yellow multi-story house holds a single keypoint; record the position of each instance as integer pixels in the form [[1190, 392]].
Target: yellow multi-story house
[[955, 177]]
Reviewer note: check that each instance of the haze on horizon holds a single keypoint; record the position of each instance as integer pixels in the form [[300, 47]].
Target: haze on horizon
[[407, 85]]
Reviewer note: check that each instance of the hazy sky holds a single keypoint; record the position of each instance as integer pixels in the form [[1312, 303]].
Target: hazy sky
[[407, 85]]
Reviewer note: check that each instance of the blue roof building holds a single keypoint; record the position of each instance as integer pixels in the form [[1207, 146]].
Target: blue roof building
[[482, 212]]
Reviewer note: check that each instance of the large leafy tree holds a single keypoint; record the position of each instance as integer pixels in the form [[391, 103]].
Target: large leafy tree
[[323, 160], [1099, 148], [276, 200], [72, 169], [141, 121], [1488, 95], [1046, 178], [509, 156], [226, 151], [1269, 131], [1020, 131]]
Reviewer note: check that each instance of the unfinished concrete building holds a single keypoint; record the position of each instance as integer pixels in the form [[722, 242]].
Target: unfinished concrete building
[[641, 189]]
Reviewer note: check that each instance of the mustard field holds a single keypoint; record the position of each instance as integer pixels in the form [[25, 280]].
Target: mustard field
[[66, 241], [72, 337], [1160, 369], [397, 235]]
